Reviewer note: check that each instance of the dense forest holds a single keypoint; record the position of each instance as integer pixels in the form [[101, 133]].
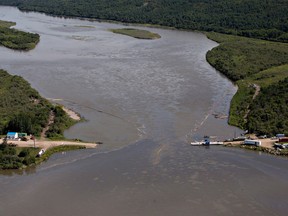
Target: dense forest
[[252, 64], [265, 19], [22, 109], [269, 111]]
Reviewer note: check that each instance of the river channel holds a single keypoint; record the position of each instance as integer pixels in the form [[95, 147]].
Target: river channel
[[145, 100]]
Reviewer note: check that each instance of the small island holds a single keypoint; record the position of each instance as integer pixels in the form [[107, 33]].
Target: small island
[[137, 33]]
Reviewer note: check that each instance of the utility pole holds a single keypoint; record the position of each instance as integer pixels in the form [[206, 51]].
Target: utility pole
[[33, 138]]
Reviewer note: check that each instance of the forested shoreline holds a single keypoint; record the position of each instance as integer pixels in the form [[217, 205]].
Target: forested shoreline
[[254, 65], [250, 63], [250, 18]]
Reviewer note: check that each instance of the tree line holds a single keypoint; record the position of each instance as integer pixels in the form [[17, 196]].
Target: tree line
[[265, 19]]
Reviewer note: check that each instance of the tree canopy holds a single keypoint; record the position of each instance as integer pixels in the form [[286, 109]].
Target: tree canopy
[[22, 109], [265, 19]]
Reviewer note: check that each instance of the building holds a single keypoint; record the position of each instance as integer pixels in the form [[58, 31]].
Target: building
[[12, 135], [283, 140], [22, 135]]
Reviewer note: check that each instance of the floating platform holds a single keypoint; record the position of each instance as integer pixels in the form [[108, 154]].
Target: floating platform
[[206, 143]]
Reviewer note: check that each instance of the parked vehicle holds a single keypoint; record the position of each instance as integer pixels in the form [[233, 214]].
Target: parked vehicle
[[281, 146], [262, 137], [252, 142], [280, 135]]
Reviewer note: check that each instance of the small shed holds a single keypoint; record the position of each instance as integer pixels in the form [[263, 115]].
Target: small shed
[[12, 135], [22, 135]]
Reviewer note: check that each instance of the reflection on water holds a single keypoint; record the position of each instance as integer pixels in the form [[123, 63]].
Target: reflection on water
[[155, 95]]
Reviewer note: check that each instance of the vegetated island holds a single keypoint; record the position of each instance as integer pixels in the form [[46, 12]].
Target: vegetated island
[[15, 39], [137, 33]]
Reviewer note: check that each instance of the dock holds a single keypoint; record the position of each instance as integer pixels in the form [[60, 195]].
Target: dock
[[206, 143], [208, 140]]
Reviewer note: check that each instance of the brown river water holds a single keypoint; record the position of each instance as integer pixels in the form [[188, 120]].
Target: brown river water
[[145, 100]]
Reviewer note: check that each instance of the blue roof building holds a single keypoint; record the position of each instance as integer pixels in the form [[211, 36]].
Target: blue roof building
[[12, 135]]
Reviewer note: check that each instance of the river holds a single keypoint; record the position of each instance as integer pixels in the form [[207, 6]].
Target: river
[[145, 100]]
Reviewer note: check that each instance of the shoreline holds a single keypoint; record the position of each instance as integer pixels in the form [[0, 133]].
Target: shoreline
[[75, 115], [72, 114], [267, 146]]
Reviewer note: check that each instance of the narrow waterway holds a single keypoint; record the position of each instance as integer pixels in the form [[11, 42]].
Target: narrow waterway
[[145, 100]]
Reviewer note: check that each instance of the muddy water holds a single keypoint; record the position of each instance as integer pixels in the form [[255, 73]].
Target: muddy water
[[154, 95]]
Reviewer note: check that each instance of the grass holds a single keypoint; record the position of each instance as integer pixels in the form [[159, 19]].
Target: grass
[[57, 149], [270, 76], [136, 33], [6, 24]]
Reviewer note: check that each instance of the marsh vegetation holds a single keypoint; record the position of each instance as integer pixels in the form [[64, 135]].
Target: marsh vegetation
[[136, 33]]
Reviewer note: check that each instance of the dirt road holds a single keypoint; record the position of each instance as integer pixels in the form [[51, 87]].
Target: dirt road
[[45, 144]]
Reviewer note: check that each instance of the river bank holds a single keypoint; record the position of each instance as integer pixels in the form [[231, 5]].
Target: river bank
[[165, 86], [267, 146]]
